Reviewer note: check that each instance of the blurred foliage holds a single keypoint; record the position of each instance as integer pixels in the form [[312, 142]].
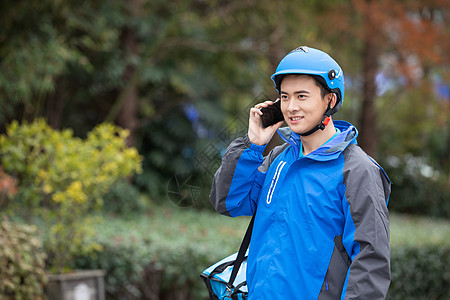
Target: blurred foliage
[[420, 272], [164, 262], [197, 66], [8, 188], [168, 259], [420, 251], [415, 149], [416, 190], [22, 261], [62, 178], [67, 61], [171, 158], [416, 123], [123, 198]]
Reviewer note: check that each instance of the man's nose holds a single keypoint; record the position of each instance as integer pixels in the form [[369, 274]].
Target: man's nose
[[292, 106]]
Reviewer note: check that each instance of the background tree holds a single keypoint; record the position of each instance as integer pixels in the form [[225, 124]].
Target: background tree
[[401, 39], [177, 74]]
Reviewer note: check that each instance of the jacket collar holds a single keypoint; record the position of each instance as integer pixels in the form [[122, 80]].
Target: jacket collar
[[327, 151]]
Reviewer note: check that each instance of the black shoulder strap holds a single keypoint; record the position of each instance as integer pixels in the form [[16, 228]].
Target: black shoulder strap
[[248, 234], [241, 254]]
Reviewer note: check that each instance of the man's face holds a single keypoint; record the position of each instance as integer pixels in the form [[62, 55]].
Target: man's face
[[301, 102]]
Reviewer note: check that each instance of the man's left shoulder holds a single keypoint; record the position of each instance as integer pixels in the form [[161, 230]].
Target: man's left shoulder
[[360, 170], [357, 161]]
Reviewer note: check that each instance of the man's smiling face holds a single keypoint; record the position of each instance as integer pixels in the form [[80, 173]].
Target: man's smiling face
[[301, 102]]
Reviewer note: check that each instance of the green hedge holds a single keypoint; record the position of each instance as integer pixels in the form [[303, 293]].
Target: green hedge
[[160, 255], [420, 272], [420, 252], [421, 196]]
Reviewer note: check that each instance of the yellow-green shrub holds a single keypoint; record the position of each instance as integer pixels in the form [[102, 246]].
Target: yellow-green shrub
[[63, 178], [22, 273]]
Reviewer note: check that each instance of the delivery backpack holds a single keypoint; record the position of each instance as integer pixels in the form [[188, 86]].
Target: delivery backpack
[[226, 279]]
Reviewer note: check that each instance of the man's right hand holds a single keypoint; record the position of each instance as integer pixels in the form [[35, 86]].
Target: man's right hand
[[256, 133]]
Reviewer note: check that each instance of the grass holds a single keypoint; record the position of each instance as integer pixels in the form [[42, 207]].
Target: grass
[[184, 225], [171, 227], [416, 230]]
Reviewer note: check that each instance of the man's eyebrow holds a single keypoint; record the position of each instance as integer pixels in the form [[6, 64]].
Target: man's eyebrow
[[296, 92]]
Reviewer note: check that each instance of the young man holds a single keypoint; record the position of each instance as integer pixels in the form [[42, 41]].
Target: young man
[[321, 229]]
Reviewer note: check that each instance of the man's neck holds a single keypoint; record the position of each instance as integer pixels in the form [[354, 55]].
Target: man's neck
[[313, 141]]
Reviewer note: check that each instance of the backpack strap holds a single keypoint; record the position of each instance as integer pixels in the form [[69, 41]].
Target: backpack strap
[[242, 249], [248, 234]]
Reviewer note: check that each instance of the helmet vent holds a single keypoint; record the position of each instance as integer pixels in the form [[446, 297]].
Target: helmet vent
[[301, 48]]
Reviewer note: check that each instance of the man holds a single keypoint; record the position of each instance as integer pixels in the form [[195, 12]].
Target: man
[[321, 229]]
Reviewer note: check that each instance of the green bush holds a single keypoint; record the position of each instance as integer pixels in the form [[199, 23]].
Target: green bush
[[160, 255], [414, 193], [172, 152], [22, 262], [421, 196], [420, 272], [124, 265], [62, 179], [8, 188], [124, 198], [420, 251]]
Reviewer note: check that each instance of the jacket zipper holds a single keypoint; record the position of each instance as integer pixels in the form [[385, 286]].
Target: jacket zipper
[[274, 182]]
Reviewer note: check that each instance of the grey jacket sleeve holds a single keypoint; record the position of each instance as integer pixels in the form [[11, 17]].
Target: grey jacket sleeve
[[366, 231], [237, 182]]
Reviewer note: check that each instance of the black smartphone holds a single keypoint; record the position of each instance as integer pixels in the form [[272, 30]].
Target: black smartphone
[[271, 114]]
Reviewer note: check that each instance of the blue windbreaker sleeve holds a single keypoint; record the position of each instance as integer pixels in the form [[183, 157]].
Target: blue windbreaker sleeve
[[366, 231], [237, 182]]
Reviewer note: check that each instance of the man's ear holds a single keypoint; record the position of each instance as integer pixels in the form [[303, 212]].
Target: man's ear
[[332, 99]]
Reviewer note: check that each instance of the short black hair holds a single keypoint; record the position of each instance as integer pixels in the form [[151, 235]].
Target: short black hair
[[320, 82]]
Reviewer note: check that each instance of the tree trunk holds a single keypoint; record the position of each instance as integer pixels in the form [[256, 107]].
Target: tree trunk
[[129, 96], [368, 138], [55, 105]]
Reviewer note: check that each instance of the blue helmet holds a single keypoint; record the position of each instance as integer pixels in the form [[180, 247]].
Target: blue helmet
[[310, 61]]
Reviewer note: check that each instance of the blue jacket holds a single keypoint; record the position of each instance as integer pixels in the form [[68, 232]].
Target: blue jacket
[[321, 229]]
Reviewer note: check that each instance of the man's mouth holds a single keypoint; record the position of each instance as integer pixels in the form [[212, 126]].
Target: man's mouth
[[295, 118]]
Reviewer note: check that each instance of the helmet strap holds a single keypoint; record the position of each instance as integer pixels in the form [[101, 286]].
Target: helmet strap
[[325, 120]]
